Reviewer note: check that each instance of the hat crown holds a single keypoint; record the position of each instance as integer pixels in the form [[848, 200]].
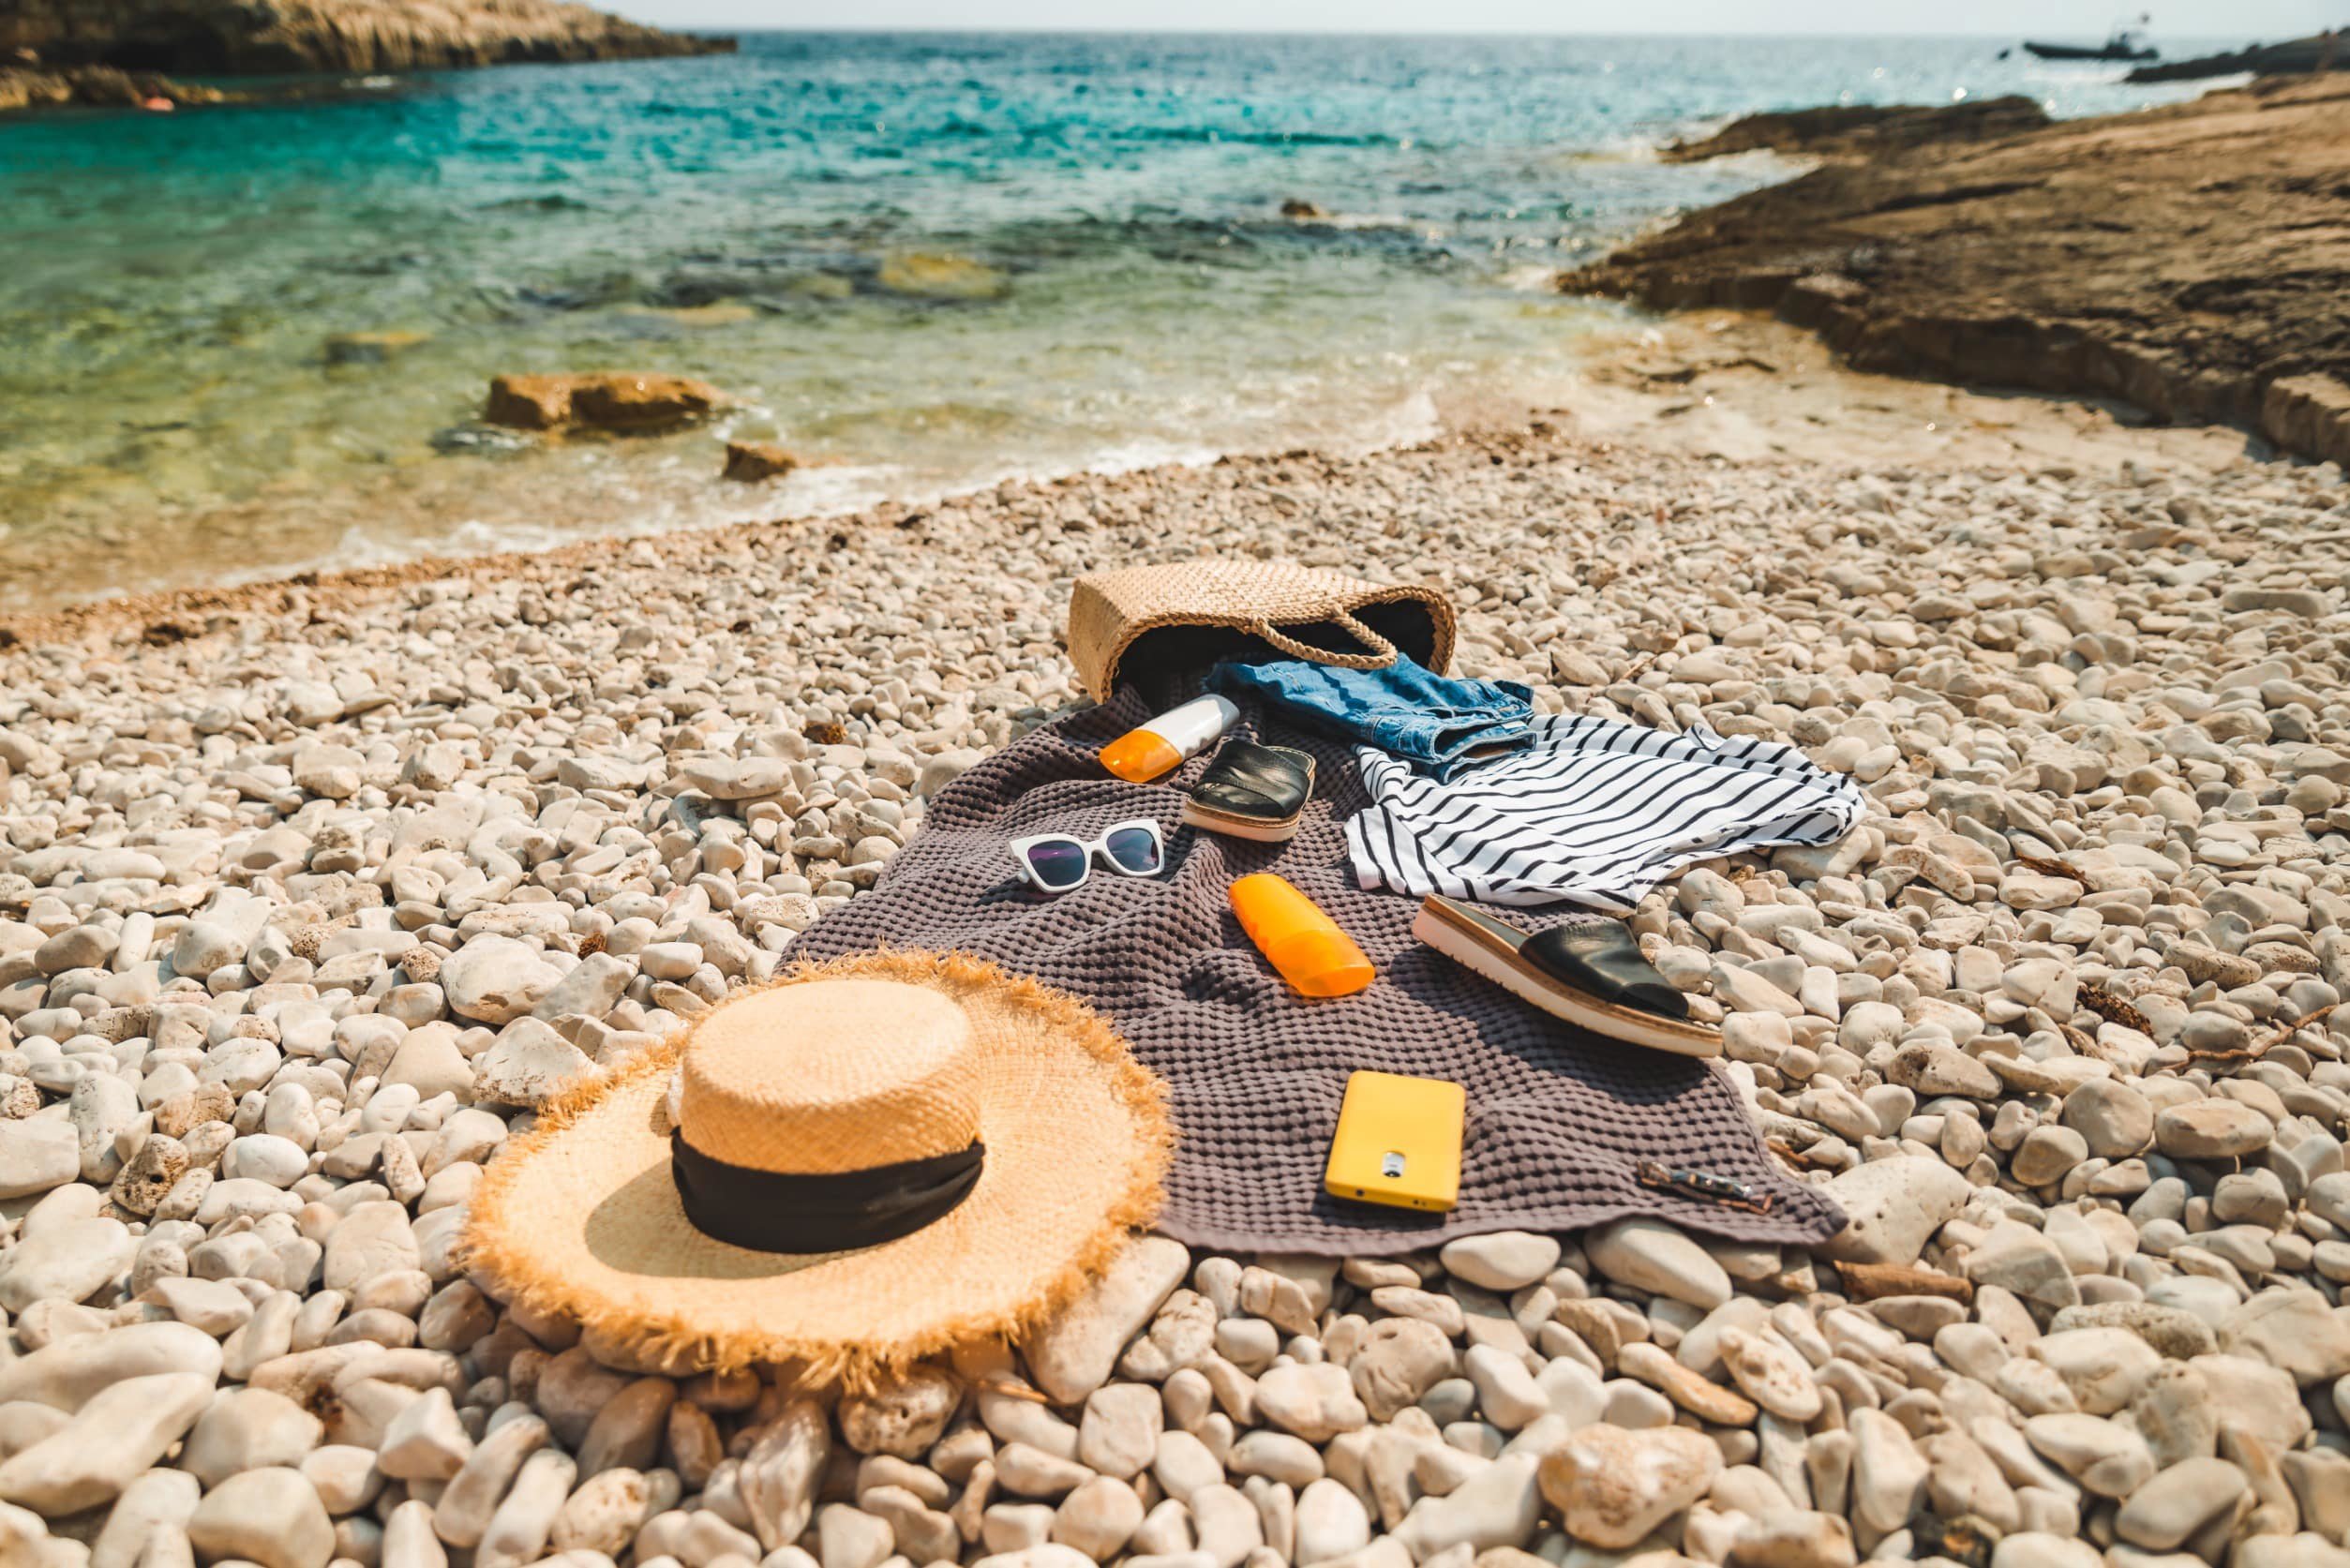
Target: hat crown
[[830, 1076]]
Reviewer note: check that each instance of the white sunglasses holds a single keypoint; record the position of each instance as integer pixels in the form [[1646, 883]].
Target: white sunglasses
[[1057, 862]]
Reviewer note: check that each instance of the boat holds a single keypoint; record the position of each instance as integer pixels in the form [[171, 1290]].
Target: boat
[[2122, 43]]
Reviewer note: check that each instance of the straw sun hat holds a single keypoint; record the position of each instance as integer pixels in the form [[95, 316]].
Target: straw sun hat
[[875, 1159]]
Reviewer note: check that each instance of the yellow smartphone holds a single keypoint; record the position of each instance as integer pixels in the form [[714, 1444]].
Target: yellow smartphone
[[1398, 1143]]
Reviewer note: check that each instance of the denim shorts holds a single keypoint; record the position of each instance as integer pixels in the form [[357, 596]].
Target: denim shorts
[[1437, 723]]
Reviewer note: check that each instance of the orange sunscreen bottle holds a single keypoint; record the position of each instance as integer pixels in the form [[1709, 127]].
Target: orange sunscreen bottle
[[1169, 741], [1297, 938]]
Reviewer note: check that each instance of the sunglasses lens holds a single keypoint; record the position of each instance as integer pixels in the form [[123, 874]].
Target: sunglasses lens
[[1134, 850], [1060, 863]]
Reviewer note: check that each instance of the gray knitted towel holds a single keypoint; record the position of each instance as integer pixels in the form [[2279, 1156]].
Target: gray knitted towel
[[1557, 1117]]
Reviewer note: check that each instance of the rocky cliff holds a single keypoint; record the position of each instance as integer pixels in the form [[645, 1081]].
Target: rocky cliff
[[2319, 52], [240, 37], [98, 87], [2190, 259], [1864, 131]]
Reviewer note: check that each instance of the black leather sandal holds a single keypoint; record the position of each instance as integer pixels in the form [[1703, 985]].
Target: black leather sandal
[[1252, 792], [1591, 974]]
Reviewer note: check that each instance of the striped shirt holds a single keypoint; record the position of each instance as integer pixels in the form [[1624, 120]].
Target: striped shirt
[[1596, 813]]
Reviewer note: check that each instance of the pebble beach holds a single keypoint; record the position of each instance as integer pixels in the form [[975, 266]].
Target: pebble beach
[[312, 890]]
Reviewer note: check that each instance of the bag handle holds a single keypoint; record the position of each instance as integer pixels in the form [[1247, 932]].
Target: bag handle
[[1383, 651]]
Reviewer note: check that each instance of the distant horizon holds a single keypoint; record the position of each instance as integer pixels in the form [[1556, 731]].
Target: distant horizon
[[1055, 29], [2012, 20]]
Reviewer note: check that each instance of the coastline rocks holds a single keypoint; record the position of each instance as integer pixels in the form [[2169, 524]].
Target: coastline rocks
[[2181, 1502], [1502, 1260], [1892, 1207], [37, 1153], [113, 1439], [270, 1517], [623, 403], [1316, 1402], [1929, 1069], [496, 980], [212, 38], [1791, 1539], [530, 1064], [940, 276], [65, 1261], [1613, 1488], [98, 87], [2211, 1129], [248, 1428], [1889, 1474], [2293, 1330], [1399, 1361], [904, 1416], [65, 1373], [1496, 1507], [1650, 1255], [1872, 254], [1331, 1522], [1863, 131], [1074, 1350], [2107, 1460], [1771, 1373], [2115, 1120]]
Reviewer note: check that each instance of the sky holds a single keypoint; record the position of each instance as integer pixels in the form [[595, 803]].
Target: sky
[[2061, 18]]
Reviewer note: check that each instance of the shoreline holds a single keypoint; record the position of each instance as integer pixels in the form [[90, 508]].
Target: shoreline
[[1735, 385], [339, 427]]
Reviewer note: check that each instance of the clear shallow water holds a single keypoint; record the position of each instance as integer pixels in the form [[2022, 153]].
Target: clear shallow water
[[168, 414]]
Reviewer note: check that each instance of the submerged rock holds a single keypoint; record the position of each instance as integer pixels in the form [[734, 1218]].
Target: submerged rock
[[98, 87], [751, 462], [940, 275], [623, 401], [370, 347]]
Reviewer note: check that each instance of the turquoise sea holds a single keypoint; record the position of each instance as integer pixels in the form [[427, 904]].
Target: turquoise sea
[[924, 261]]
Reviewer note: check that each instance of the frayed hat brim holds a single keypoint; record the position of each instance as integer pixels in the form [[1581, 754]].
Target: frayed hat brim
[[579, 1217]]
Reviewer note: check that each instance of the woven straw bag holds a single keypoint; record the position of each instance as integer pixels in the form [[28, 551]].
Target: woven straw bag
[[1159, 622]]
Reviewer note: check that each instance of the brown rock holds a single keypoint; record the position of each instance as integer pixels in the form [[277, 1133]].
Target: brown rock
[[1708, 1401], [753, 462], [2308, 415], [2201, 964], [1874, 1281], [634, 402], [625, 402], [529, 402]]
